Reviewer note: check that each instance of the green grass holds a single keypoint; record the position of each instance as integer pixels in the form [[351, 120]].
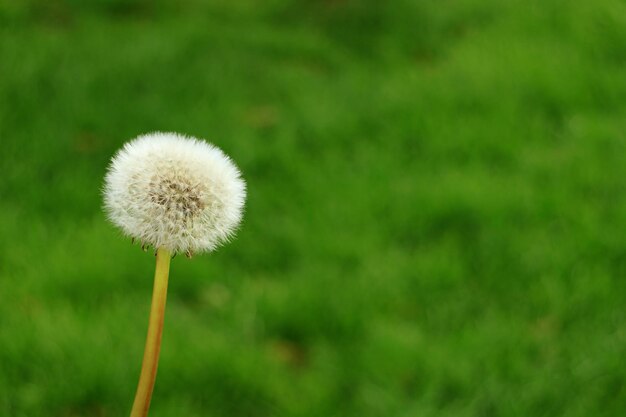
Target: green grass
[[436, 222]]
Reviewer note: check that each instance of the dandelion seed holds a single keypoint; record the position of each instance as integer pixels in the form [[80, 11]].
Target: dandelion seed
[[174, 192]]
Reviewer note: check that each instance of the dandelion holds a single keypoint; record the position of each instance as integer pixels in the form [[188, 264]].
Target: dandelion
[[179, 195]]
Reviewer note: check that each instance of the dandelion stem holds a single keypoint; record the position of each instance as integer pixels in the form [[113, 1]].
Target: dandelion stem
[[153, 340]]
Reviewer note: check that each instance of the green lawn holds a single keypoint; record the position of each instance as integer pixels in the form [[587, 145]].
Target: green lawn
[[436, 221]]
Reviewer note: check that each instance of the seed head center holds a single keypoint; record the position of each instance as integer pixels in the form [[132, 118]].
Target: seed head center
[[177, 196]]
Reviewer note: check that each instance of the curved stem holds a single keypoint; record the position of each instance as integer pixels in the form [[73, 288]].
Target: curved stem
[[153, 340]]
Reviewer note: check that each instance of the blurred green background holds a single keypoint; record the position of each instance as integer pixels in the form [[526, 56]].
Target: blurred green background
[[436, 223]]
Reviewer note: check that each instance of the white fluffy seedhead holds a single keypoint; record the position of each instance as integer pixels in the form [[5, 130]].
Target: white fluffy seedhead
[[175, 192]]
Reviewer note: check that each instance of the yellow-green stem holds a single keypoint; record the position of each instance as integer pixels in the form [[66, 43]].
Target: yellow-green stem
[[153, 341]]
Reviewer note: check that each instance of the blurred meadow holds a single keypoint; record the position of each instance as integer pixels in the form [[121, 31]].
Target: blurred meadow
[[436, 222]]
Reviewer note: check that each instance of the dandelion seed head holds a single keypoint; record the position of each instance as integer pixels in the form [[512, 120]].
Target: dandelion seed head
[[176, 192]]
